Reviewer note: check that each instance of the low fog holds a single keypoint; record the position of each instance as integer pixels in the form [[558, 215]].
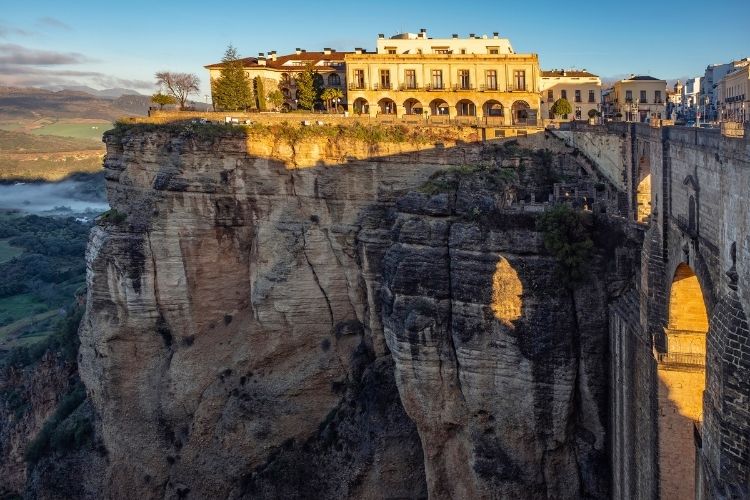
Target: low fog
[[74, 197]]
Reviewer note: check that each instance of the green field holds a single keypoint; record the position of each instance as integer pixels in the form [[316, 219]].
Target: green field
[[8, 251], [93, 130]]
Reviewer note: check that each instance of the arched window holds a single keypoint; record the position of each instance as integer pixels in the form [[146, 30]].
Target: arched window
[[334, 80]]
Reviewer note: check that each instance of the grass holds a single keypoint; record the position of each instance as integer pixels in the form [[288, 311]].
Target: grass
[[92, 131], [49, 169], [8, 251], [21, 142]]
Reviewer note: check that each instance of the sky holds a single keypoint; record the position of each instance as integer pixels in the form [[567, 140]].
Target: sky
[[122, 44]]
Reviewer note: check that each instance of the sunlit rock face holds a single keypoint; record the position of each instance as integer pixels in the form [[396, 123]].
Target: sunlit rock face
[[300, 322], [498, 364]]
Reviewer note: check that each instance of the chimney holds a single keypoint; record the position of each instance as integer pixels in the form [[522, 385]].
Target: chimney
[[381, 35], [261, 59], [298, 51], [303, 51], [357, 50], [327, 51], [273, 55], [495, 34], [471, 35], [454, 35]]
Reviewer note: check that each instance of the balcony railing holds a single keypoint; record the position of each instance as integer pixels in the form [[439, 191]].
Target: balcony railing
[[357, 86], [517, 88], [488, 88], [681, 358], [408, 86], [432, 86], [460, 86], [382, 86]]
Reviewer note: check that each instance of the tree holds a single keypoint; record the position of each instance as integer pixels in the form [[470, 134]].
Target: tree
[[567, 238], [178, 85], [260, 94], [163, 99], [275, 98], [562, 107], [329, 95], [593, 113], [309, 86], [232, 91]]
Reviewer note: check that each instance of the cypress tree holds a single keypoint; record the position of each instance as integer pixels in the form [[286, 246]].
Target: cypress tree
[[232, 91], [307, 92], [260, 94]]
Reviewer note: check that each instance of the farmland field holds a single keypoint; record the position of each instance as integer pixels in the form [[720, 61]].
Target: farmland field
[[81, 129]]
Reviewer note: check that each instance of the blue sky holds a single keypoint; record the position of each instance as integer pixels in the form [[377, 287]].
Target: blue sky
[[108, 44]]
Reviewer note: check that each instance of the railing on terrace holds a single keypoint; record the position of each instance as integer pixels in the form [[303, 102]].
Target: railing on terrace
[[681, 358], [357, 86]]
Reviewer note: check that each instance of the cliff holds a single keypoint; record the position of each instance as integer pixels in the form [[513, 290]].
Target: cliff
[[316, 317]]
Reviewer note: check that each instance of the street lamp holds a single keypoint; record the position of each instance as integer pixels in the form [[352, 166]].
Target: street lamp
[[336, 101]]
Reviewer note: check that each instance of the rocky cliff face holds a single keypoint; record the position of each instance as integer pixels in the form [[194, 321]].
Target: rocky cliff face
[[268, 320]]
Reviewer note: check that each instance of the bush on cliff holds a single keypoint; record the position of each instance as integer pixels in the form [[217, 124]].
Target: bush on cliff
[[61, 434], [568, 240]]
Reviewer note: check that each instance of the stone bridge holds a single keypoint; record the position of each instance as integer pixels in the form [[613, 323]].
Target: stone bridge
[[679, 342]]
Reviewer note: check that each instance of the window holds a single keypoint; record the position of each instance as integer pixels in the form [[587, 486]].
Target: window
[[437, 78], [334, 80], [385, 78], [359, 79], [657, 96], [564, 94], [410, 79], [463, 51], [578, 96], [493, 50], [463, 79], [550, 95], [491, 79], [592, 97], [441, 50], [578, 112], [519, 79], [643, 97], [628, 96]]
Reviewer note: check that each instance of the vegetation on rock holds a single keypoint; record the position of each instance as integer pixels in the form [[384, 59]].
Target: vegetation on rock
[[568, 239]]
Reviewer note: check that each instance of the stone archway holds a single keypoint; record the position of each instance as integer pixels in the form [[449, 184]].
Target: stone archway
[[413, 107], [520, 110], [439, 107], [643, 188], [386, 106], [361, 106], [682, 380], [465, 107]]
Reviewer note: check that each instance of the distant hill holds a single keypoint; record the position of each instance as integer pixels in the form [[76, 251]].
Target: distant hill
[[113, 93], [33, 103]]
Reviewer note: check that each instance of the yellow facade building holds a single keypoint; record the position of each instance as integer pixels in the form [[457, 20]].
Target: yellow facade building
[[580, 88], [733, 98], [474, 80], [278, 72], [637, 99]]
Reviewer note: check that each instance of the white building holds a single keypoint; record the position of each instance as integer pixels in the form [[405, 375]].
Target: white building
[[713, 75]]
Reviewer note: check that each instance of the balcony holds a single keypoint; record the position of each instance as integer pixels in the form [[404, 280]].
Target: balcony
[[488, 88], [517, 88], [409, 87], [457, 87], [431, 86], [357, 86], [682, 358], [382, 86]]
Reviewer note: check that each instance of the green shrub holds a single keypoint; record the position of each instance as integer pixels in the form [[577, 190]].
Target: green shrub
[[61, 434], [113, 216], [566, 237]]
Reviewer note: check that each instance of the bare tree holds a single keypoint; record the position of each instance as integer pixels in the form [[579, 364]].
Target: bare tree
[[178, 85]]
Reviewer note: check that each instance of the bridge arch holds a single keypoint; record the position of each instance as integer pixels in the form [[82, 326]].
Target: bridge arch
[[682, 381], [643, 188]]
